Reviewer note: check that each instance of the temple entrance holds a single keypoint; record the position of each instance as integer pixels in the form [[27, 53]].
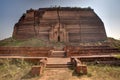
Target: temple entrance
[[58, 33], [58, 38]]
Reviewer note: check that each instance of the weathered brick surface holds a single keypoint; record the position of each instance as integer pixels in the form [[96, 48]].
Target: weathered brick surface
[[25, 51], [78, 66], [43, 62], [65, 25], [90, 50], [81, 69], [36, 70]]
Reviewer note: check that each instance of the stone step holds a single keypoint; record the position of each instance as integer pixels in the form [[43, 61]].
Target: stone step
[[58, 51], [58, 65], [58, 54], [58, 60]]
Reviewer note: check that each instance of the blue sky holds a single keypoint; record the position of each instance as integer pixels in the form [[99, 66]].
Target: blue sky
[[12, 10]]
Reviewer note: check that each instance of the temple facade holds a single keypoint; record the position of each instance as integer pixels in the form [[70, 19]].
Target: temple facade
[[61, 24]]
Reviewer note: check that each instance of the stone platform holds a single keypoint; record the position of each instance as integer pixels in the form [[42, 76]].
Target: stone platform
[[58, 60]]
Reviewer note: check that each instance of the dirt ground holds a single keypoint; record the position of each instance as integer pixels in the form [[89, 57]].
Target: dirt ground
[[61, 74]]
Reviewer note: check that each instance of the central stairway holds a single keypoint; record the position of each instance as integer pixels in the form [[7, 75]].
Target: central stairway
[[58, 52], [58, 59], [58, 63]]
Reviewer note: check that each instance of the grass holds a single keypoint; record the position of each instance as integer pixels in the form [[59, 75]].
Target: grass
[[14, 69], [36, 42], [114, 42], [33, 42], [104, 72], [117, 56], [100, 72]]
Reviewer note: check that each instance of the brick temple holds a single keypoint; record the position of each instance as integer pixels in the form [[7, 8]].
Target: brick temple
[[61, 24]]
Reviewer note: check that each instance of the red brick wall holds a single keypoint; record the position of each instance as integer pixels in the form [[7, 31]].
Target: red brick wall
[[25, 51]]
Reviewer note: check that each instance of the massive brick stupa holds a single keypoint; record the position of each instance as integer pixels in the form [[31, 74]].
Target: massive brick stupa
[[61, 24]]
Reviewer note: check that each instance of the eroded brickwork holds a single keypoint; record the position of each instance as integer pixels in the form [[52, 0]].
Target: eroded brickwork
[[61, 24]]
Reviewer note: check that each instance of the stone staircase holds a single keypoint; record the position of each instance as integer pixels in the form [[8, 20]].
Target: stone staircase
[[58, 63], [57, 59]]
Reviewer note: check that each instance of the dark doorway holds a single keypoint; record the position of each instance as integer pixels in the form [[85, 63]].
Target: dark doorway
[[58, 38]]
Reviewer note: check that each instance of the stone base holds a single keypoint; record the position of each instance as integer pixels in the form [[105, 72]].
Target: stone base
[[81, 69], [36, 70]]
